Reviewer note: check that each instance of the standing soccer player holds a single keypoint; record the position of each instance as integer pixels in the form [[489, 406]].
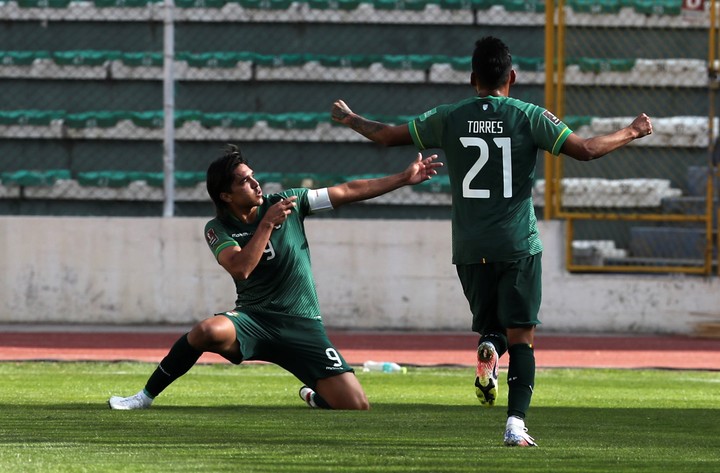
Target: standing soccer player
[[491, 143], [260, 241]]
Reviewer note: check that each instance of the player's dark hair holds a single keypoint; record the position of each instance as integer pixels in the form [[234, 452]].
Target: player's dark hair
[[491, 62], [220, 177]]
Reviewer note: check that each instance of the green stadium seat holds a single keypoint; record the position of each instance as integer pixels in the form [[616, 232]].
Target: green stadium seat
[[21, 58], [28, 178], [282, 60], [124, 3], [413, 5], [200, 3], [30, 117], [344, 5], [182, 178], [184, 116], [461, 63], [412, 62], [84, 58], [595, 6], [106, 178], [265, 4], [466, 4], [228, 120], [215, 59], [436, 185], [577, 122], [658, 7], [43, 3], [148, 119], [529, 6], [142, 59], [603, 65], [95, 119], [529, 63], [352, 60]]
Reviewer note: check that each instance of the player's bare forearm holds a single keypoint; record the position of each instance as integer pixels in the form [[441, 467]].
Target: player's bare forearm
[[381, 133], [420, 170], [369, 129], [597, 147]]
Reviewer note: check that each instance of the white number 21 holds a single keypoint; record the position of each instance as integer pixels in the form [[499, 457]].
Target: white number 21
[[504, 144]]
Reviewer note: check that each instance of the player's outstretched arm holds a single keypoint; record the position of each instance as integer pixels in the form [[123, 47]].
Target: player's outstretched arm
[[586, 149], [420, 170], [381, 133]]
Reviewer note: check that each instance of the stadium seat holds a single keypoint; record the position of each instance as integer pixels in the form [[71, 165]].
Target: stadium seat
[[124, 3], [30, 117], [595, 6], [34, 178], [658, 7], [344, 5], [228, 120], [95, 119], [84, 57], [43, 3]]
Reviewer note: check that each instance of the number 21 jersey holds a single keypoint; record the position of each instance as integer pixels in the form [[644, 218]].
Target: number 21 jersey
[[491, 146]]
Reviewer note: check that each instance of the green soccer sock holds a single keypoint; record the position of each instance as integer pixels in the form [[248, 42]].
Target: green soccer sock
[[181, 357], [521, 379]]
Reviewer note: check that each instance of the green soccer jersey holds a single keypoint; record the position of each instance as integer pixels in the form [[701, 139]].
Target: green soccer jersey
[[491, 147], [282, 283]]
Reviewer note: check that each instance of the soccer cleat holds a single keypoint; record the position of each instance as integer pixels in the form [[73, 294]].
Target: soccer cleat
[[137, 401], [516, 434], [306, 394], [486, 374]]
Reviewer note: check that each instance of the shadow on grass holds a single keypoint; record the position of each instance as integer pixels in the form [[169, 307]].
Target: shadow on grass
[[390, 437]]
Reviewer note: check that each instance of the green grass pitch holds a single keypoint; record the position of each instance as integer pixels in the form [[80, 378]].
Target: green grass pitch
[[217, 418]]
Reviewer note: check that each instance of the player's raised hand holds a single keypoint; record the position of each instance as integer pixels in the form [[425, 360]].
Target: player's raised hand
[[642, 125], [340, 111], [422, 169], [277, 213]]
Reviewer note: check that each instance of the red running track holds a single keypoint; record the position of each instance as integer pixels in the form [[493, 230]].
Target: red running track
[[409, 348]]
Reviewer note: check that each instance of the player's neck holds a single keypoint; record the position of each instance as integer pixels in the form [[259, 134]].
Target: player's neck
[[245, 215], [492, 93]]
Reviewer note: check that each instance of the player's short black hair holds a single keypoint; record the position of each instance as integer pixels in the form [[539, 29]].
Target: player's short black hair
[[220, 176], [491, 62]]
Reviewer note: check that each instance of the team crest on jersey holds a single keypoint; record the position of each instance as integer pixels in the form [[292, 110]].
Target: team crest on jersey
[[211, 237], [485, 106], [555, 120]]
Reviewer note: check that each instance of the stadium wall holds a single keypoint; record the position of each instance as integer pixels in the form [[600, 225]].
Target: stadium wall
[[371, 274]]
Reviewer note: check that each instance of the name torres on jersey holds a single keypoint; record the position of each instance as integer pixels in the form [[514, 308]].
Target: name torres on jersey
[[485, 126]]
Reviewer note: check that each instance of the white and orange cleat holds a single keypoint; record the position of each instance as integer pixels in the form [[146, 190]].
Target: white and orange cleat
[[486, 374]]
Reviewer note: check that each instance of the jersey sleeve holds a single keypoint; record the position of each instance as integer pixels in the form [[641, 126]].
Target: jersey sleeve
[[427, 129], [548, 130], [217, 237]]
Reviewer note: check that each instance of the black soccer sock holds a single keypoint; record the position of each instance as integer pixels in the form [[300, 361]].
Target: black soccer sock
[[521, 379], [498, 340], [320, 402], [176, 363]]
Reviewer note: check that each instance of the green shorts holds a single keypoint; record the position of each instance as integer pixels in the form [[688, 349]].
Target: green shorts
[[503, 295], [296, 344]]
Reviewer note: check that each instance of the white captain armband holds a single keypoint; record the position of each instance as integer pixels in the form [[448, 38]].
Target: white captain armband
[[319, 200]]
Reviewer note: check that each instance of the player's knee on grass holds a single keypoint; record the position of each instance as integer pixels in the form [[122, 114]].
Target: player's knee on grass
[[343, 392], [212, 333]]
